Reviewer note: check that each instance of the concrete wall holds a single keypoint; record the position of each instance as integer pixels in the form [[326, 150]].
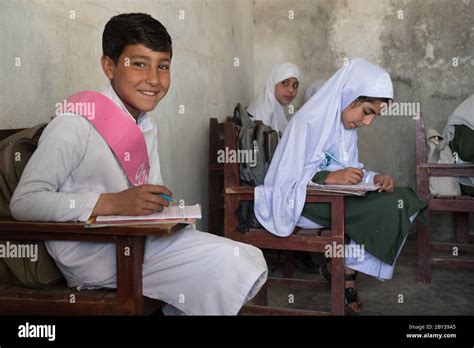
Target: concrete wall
[[60, 55], [417, 47]]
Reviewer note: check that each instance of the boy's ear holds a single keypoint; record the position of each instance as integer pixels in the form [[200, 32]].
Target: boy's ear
[[108, 66]]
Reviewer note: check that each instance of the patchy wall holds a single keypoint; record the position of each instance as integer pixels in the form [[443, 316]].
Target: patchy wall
[[426, 46]]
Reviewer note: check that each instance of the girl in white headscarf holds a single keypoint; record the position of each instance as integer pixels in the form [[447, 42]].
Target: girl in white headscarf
[[313, 88], [459, 133], [327, 124], [280, 89]]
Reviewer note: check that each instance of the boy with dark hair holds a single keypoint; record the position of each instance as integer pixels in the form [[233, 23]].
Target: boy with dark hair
[[105, 162]]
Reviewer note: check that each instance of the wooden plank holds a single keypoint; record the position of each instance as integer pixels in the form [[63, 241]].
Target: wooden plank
[[455, 205], [447, 166], [337, 263], [10, 225], [265, 310], [299, 283], [266, 240], [424, 252], [453, 263], [449, 246], [130, 251], [56, 307]]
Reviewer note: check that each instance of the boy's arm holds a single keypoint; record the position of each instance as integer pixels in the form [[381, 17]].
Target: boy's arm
[[60, 150]]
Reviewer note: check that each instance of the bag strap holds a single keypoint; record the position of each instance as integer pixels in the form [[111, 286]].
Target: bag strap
[[4, 188]]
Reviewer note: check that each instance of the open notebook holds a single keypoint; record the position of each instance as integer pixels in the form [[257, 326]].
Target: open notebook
[[171, 214], [359, 189]]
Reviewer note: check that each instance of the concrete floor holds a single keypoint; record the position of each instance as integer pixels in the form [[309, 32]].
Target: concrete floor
[[450, 293]]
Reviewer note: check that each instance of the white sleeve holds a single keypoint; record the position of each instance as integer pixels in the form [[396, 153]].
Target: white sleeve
[[154, 159], [60, 150]]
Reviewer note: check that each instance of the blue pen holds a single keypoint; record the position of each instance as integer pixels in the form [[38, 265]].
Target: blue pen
[[335, 159], [168, 198]]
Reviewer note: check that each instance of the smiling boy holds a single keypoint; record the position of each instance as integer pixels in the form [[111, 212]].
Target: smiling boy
[[75, 173]]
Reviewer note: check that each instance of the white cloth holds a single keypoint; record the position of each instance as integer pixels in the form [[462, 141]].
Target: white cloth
[[463, 115], [196, 272], [315, 128], [313, 88], [266, 107], [365, 263]]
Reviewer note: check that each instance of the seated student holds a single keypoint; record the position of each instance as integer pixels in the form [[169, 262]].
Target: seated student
[[74, 174], [280, 89], [459, 132], [328, 122], [313, 88]]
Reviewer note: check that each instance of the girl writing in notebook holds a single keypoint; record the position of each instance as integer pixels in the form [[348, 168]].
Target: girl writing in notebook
[[324, 129]]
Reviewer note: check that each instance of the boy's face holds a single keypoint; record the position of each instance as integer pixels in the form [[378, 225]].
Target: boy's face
[[141, 77], [286, 90], [361, 114]]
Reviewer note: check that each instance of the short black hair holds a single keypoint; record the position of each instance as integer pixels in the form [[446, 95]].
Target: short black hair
[[132, 29]]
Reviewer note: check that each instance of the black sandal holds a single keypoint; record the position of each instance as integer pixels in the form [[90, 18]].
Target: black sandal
[[324, 271], [351, 295]]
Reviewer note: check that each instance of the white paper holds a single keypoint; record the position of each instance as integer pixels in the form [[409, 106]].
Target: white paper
[[171, 212], [362, 186]]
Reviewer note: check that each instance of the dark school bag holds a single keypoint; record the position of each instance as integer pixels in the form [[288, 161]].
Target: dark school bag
[[15, 152], [259, 142]]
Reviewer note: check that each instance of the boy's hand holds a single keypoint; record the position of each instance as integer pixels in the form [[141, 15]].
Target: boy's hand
[[385, 182], [348, 176], [138, 200]]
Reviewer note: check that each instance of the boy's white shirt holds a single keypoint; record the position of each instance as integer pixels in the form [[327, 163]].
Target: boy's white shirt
[[72, 166]]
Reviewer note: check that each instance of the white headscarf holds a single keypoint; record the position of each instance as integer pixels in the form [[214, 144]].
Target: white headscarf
[[313, 88], [464, 114], [266, 107], [280, 200]]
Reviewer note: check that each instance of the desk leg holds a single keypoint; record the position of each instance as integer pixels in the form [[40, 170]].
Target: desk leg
[[130, 251]]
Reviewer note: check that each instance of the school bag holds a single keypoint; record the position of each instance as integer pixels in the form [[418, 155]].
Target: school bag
[[259, 142], [440, 152], [15, 152]]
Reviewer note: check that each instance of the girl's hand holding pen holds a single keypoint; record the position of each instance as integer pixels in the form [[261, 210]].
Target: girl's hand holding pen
[[347, 176]]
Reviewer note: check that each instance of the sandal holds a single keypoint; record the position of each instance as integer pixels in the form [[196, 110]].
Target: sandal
[[324, 270], [350, 295], [350, 292]]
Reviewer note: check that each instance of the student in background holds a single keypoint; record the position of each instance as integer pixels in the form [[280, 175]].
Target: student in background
[[379, 222], [313, 88], [280, 90], [459, 133]]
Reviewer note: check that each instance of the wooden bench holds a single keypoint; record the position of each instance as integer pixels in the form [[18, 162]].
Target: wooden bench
[[300, 240], [127, 299], [461, 206]]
